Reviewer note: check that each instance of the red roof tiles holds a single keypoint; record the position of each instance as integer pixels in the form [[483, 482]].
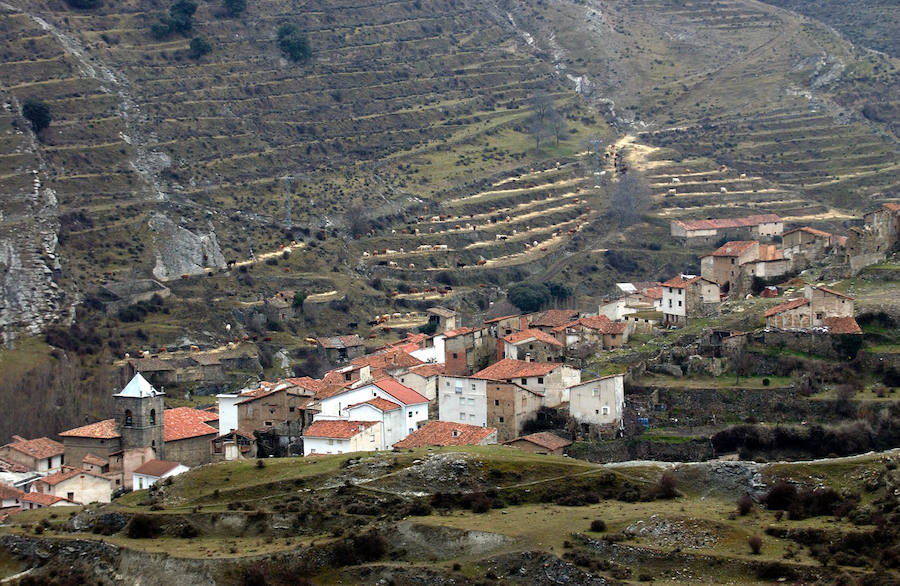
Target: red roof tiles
[[445, 433], [809, 230], [544, 439], [792, 304], [553, 318], [831, 291], [735, 248], [337, 428], [38, 448], [392, 358], [156, 468], [458, 332], [105, 429], [379, 403], [399, 391], [531, 334], [842, 325], [184, 422], [428, 370], [724, 223], [10, 492], [509, 368], [43, 499], [94, 460], [64, 474]]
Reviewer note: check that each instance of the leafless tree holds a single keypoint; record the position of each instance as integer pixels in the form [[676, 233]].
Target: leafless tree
[[630, 197]]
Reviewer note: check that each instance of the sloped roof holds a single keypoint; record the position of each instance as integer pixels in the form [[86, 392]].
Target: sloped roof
[[722, 223], [769, 252], [441, 312], [553, 318], [41, 498], [138, 387], [184, 422], [340, 341], [379, 403], [544, 439], [445, 433], [38, 448], [10, 492], [601, 323], [735, 248], [399, 391], [105, 429], [308, 383], [66, 473], [337, 428], [652, 292], [428, 369], [156, 467], [511, 368], [808, 230], [831, 291], [94, 460], [842, 325], [496, 319], [893, 207], [457, 332], [392, 358], [531, 334], [792, 304]]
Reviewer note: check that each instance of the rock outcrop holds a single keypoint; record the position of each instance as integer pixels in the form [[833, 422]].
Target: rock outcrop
[[182, 252]]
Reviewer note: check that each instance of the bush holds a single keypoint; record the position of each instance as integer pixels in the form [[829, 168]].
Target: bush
[[744, 504], [142, 527], [780, 497], [667, 488], [200, 47], [83, 4], [235, 7], [480, 503], [293, 43], [755, 543], [529, 297], [598, 525], [37, 113], [180, 20]]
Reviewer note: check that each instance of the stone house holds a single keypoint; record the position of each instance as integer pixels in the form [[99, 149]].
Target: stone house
[[686, 297], [793, 314], [711, 231], [342, 436], [598, 329], [234, 445], [643, 322], [723, 266], [187, 435], [280, 307], [466, 349], [75, 485], [826, 302], [805, 245], [818, 304], [505, 325], [448, 433], [509, 406], [11, 498], [550, 379], [871, 243], [40, 454], [339, 349], [542, 442], [441, 318], [552, 318], [149, 473], [272, 405], [532, 345], [599, 401]]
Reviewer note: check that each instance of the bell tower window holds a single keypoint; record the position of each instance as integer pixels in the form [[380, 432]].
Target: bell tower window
[[129, 419], [153, 417]]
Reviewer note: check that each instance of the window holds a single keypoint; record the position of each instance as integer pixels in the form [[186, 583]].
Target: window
[[473, 386], [455, 356], [500, 420], [670, 303], [129, 419], [70, 496], [472, 402], [292, 408], [268, 424], [531, 346], [605, 410], [411, 430], [409, 414], [153, 417], [595, 392], [540, 380], [524, 381], [471, 417], [347, 376], [459, 387], [679, 303], [496, 402], [462, 416], [331, 442]]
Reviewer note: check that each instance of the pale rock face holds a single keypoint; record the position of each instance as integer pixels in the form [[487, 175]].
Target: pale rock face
[[182, 252]]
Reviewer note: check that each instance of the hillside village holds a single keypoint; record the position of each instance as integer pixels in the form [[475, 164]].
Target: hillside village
[[491, 382]]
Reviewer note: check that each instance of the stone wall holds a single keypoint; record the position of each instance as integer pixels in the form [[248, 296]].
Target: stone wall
[[635, 449]]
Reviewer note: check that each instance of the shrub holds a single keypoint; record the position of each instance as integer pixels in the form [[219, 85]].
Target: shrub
[[260, 463], [293, 44], [766, 382], [37, 113], [667, 488], [480, 503], [200, 47], [744, 504], [83, 4], [755, 543], [598, 525], [235, 7], [780, 497], [142, 527]]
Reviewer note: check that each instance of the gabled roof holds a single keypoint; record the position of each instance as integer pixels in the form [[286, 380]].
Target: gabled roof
[[8, 492], [445, 433], [428, 369], [553, 318], [792, 304], [842, 325], [156, 468], [457, 332], [510, 368], [769, 252], [138, 387], [496, 319], [892, 207], [94, 460], [600, 323], [652, 292], [340, 341], [531, 334], [43, 499], [735, 248], [831, 291], [379, 403], [388, 359], [808, 230], [441, 312], [308, 383], [337, 428], [105, 429], [184, 422], [66, 473], [544, 439], [722, 223], [38, 448], [399, 391]]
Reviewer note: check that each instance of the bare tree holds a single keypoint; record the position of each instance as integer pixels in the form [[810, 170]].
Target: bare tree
[[629, 199], [539, 124], [557, 125]]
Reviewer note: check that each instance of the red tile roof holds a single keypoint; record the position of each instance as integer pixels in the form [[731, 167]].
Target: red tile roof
[[105, 429], [10, 492], [428, 370], [65, 473], [510, 368], [310, 384], [842, 325], [496, 319], [445, 433], [792, 304], [379, 403], [721, 223], [678, 282], [43, 499], [399, 391], [393, 358], [893, 207], [337, 428], [553, 318], [652, 292], [156, 467], [94, 460], [184, 422], [330, 391], [458, 332], [601, 323], [735, 248], [770, 252], [544, 439], [531, 334], [831, 291], [38, 448], [809, 230]]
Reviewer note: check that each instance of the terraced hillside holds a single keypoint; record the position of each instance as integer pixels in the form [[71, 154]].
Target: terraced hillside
[[165, 162]]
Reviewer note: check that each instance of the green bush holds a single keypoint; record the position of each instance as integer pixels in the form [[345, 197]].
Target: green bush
[[235, 7], [200, 47], [293, 43], [38, 113]]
